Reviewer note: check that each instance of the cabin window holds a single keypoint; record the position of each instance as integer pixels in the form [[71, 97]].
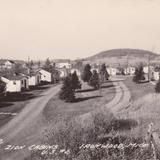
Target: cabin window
[[22, 82], [14, 82]]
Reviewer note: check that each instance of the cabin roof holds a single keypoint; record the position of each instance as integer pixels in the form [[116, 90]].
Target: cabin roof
[[14, 77]]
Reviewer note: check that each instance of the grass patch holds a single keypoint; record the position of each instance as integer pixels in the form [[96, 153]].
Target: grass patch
[[138, 89], [86, 101]]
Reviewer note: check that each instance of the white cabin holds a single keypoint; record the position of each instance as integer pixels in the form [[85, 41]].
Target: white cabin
[[15, 83], [7, 64], [34, 79], [45, 76], [129, 71], [155, 76], [63, 65], [112, 71]]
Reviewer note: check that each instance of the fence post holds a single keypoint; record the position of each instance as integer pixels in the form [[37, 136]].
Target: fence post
[[151, 140]]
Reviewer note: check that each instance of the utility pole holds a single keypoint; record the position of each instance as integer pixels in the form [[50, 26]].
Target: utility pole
[[148, 67], [100, 80]]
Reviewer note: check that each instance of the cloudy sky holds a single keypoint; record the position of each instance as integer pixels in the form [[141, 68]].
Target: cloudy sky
[[76, 28]]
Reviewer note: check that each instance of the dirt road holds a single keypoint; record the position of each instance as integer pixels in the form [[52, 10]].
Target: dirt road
[[122, 97], [120, 101], [26, 126]]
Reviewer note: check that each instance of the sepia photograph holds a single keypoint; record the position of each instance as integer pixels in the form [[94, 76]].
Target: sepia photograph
[[79, 79]]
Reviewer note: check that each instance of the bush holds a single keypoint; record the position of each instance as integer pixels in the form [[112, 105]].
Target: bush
[[2, 86], [157, 88]]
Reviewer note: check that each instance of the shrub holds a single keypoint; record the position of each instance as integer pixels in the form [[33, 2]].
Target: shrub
[[157, 88]]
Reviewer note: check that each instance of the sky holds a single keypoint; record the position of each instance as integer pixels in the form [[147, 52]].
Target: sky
[[76, 28]]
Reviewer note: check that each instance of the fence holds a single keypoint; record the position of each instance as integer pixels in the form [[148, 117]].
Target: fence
[[154, 141]]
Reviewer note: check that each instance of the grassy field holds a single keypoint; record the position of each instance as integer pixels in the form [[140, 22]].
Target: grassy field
[[14, 103], [67, 132], [138, 90], [87, 100], [144, 107]]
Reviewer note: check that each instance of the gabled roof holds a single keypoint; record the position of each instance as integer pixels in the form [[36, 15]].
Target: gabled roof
[[44, 70], [11, 61], [14, 77]]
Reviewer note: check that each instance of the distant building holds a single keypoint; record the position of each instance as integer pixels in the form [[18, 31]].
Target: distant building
[[15, 83], [155, 76], [45, 76], [7, 64], [64, 72], [34, 79], [129, 70], [112, 71], [62, 63], [146, 69]]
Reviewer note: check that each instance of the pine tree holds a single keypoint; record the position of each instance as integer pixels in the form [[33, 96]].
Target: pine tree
[[139, 74], [2, 86], [157, 88], [94, 80], [103, 73], [67, 92], [75, 81], [87, 73], [48, 67]]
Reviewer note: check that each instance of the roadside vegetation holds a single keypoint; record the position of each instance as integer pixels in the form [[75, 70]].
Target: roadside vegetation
[[79, 142], [157, 87], [70, 133]]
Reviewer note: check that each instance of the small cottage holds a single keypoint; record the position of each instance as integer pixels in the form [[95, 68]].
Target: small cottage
[[34, 79], [129, 70], [155, 76], [45, 76], [15, 83], [63, 72], [7, 64], [112, 71]]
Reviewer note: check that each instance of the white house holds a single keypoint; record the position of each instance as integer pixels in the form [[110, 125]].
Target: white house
[[155, 75], [63, 65], [34, 79], [7, 64], [45, 76], [146, 69], [15, 83], [112, 71], [129, 70], [64, 72]]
